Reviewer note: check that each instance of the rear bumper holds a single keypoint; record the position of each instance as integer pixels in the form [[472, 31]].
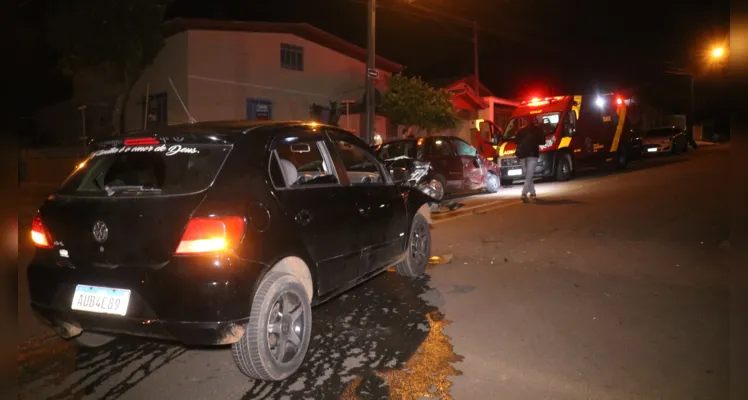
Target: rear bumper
[[191, 300], [544, 169], [69, 324]]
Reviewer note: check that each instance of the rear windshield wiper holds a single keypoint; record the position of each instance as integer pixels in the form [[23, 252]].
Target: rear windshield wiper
[[110, 190]]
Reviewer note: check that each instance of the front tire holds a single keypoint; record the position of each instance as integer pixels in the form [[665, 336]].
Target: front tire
[[492, 183], [419, 249], [279, 329], [506, 182], [563, 168]]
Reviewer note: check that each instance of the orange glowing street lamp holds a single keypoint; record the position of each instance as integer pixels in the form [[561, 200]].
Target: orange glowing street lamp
[[718, 52]]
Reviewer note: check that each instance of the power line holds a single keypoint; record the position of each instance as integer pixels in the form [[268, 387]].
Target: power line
[[445, 19]]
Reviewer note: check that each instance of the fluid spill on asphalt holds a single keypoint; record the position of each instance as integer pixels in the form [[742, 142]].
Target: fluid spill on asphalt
[[64, 372], [382, 339]]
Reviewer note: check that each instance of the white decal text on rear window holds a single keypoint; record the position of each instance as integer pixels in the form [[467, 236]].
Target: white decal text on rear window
[[168, 151]]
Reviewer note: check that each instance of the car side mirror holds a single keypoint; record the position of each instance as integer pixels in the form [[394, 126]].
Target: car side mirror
[[498, 134]]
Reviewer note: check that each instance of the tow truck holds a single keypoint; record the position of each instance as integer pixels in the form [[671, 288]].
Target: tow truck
[[580, 130]]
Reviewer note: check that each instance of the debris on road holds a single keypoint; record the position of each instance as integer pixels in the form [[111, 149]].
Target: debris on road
[[445, 259]]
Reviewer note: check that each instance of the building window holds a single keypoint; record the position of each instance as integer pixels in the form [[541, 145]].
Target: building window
[[292, 57]]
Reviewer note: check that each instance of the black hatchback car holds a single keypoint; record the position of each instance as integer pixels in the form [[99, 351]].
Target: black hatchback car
[[221, 233]]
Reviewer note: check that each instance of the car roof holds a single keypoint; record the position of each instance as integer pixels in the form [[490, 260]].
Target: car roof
[[229, 131], [236, 127]]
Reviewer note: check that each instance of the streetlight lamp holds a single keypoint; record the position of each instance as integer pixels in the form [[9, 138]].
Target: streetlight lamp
[[715, 54], [718, 52]]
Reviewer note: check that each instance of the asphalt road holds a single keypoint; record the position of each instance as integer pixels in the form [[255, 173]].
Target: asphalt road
[[612, 286]]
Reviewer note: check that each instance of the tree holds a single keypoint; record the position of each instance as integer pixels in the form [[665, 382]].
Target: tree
[[413, 102], [114, 39]]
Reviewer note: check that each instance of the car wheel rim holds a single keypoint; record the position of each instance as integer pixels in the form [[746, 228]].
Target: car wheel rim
[[419, 244], [286, 327], [565, 168], [492, 182]]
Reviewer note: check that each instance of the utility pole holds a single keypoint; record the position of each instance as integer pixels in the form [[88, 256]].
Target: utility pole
[[371, 72], [693, 106], [475, 57]]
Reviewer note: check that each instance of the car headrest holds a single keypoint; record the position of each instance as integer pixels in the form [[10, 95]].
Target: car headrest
[[290, 174]]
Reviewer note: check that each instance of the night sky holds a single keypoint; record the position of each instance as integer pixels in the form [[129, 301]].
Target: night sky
[[524, 45], [532, 46]]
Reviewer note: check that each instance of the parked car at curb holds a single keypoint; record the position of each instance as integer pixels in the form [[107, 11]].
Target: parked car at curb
[[221, 233], [669, 139], [457, 166]]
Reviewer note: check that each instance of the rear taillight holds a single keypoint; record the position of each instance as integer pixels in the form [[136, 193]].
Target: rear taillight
[[211, 235], [142, 142], [39, 234]]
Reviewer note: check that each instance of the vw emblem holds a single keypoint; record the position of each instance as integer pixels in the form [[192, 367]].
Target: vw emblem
[[100, 232]]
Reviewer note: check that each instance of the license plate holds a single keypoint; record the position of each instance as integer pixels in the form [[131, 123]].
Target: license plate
[[514, 172], [101, 300], [652, 149]]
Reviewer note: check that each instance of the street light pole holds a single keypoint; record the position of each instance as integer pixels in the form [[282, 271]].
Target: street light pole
[[693, 106], [371, 72]]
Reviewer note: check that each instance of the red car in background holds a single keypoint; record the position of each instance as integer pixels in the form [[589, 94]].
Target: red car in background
[[456, 165]]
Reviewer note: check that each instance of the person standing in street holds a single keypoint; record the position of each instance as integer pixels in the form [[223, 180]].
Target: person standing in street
[[529, 139]]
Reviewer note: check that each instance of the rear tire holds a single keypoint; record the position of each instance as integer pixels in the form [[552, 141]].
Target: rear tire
[[418, 249], [622, 159], [492, 183], [92, 339], [563, 168], [279, 329]]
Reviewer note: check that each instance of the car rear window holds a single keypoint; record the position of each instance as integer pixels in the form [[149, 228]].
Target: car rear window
[[147, 170], [398, 149]]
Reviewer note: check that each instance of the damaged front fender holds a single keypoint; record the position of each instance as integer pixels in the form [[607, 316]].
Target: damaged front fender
[[419, 203]]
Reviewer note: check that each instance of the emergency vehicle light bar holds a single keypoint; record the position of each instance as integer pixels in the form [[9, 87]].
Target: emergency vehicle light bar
[[541, 102]]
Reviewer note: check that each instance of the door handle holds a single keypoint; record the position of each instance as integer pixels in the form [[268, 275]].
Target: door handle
[[303, 217]]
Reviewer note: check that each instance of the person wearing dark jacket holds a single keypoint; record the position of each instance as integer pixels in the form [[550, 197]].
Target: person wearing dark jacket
[[529, 139]]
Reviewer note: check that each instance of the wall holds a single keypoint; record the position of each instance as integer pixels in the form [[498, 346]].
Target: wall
[[171, 62], [227, 68], [49, 166]]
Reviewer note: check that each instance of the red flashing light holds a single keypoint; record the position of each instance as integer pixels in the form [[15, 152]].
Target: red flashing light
[[619, 101], [535, 102], [39, 234], [211, 235], [142, 142]]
